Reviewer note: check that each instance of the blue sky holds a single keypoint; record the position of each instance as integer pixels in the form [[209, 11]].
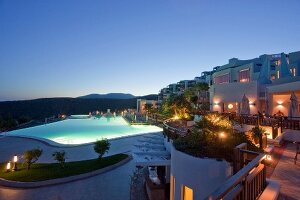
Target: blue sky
[[62, 48]]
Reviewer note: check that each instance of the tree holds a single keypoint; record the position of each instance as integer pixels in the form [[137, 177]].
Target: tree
[[148, 108], [257, 134], [60, 157], [212, 125], [181, 107], [31, 156], [101, 147]]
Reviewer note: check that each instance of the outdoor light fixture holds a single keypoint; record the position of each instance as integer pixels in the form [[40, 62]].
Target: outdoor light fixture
[[176, 117], [222, 135], [279, 103], [251, 103], [230, 106], [8, 167], [216, 103], [268, 157], [15, 167]]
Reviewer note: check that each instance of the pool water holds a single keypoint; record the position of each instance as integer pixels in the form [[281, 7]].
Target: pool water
[[80, 131]]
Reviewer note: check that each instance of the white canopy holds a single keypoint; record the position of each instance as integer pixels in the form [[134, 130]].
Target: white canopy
[[245, 106], [293, 109]]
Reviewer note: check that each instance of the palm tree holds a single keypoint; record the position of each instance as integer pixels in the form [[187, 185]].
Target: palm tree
[[257, 134]]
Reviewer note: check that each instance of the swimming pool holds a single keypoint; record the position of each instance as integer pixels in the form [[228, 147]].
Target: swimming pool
[[80, 131]]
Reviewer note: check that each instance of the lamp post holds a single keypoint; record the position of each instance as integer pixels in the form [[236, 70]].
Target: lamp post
[[8, 166], [15, 167], [222, 136]]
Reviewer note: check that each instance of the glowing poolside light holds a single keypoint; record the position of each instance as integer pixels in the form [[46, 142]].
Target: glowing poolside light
[[8, 166], [15, 167], [15, 158]]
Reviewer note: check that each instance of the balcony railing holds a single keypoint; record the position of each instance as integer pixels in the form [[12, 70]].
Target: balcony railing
[[277, 122], [248, 183]]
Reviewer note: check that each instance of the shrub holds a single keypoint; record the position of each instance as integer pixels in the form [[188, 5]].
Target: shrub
[[31, 156], [60, 157], [101, 147], [257, 134]]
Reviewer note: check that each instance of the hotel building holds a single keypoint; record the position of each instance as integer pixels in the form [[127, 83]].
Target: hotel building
[[267, 81]]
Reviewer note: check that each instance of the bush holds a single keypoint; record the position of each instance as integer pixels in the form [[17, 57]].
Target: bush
[[101, 147], [257, 134], [60, 157], [31, 156], [205, 139]]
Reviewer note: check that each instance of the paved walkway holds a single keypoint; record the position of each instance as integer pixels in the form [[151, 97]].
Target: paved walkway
[[113, 185], [288, 174]]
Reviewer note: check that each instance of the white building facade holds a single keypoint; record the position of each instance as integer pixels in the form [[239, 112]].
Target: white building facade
[[267, 81]]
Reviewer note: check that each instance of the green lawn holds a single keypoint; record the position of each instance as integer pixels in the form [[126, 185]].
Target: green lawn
[[43, 171]]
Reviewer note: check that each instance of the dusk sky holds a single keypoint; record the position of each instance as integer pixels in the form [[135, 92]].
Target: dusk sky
[[60, 48]]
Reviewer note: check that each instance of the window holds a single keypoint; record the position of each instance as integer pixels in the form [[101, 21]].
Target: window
[[272, 67], [244, 75], [277, 62], [273, 77], [222, 79], [278, 75], [257, 68], [187, 193], [294, 71], [172, 187]]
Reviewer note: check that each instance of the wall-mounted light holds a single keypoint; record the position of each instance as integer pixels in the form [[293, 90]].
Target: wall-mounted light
[[216, 103], [230, 106], [279, 103], [251, 103]]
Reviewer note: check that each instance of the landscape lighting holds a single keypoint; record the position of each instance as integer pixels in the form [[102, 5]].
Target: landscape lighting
[[8, 167], [222, 135], [268, 157], [15, 167]]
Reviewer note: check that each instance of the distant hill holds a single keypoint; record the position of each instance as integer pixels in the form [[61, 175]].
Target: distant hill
[[41, 108], [108, 96]]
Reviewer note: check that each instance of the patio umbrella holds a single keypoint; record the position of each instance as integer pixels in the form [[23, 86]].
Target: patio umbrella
[[293, 109], [245, 110]]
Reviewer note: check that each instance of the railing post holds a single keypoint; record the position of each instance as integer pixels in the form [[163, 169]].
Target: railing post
[[281, 124]]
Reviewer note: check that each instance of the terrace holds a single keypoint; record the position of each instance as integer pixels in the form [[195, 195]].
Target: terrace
[[252, 168]]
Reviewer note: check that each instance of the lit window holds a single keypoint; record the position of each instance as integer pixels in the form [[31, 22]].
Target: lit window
[[172, 188], [187, 193], [277, 62], [294, 71], [278, 74], [273, 77], [244, 75], [221, 79]]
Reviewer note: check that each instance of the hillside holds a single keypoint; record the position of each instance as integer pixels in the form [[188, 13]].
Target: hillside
[[108, 96], [41, 108]]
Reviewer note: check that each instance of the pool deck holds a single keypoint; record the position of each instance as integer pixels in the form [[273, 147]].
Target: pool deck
[[113, 185], [10, 145]]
